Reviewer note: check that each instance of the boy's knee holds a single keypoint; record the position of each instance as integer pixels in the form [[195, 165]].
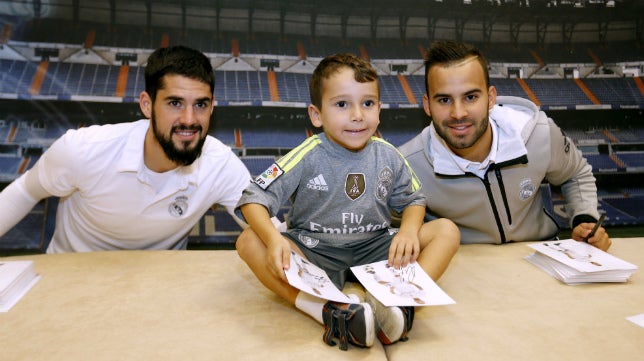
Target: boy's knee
[[450, 227], [244, 241], [451, 230], [446, 232]]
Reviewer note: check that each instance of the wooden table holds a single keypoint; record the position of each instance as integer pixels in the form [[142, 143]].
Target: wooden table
[[207, 305], [159, 305], [508, 309]]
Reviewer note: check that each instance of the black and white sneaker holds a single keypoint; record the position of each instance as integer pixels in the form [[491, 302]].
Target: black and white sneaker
[[349, 323]]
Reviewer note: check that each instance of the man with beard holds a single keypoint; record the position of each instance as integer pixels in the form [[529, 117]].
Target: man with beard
[[483, 158], [142, 184]]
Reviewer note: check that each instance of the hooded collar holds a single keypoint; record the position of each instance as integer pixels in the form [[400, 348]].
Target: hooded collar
[[507, 143]]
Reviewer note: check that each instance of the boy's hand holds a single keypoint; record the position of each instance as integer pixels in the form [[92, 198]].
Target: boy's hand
[[404, 249], [278, 253]]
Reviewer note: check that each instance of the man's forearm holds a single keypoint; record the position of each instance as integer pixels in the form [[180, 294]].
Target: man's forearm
[[15, 204]]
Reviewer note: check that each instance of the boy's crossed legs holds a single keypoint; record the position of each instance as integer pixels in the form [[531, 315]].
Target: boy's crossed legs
[[439, 241]]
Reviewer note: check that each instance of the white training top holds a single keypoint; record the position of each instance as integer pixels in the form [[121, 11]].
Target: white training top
[[107, 200]]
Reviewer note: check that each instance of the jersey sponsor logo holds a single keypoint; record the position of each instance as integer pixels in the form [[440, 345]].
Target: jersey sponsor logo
[[268, 176], [178, 207], [354, 186], [351, 223], [526, 189], [385, 180], [318, 183]]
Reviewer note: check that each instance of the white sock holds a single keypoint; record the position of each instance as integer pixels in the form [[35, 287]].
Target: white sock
[[354, 289], [310, 305], [313, 306]]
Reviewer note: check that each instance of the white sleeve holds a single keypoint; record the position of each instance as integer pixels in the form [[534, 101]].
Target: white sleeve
[[18, 198]]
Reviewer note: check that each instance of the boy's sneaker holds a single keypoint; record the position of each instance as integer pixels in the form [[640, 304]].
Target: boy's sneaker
[[392, 323], [351, 322]]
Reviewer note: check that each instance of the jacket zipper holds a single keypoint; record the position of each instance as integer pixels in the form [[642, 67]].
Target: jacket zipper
[[499, 178], [497, 171], [499, 225]]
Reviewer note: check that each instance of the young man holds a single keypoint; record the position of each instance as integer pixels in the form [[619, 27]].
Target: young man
[[142, 184], [483, 158], [343, 183]]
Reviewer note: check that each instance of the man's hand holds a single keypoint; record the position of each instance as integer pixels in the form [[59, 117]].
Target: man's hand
[[599, 240]]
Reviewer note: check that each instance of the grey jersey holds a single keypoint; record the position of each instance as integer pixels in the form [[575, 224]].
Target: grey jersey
[[338, 196]]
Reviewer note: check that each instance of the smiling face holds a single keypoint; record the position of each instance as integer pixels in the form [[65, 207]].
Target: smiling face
[[459, 103], [180, 117], [349, 111]]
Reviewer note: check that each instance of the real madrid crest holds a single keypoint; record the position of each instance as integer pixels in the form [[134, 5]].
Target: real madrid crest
[[179, 206], [526, 189], [385, 180]]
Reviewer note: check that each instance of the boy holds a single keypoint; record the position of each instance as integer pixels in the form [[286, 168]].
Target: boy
[[343, 184]]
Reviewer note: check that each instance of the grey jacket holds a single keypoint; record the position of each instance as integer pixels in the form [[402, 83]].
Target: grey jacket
[[506, 205]]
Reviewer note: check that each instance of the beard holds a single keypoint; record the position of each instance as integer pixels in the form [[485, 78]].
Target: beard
[[455, 142], [185, 155]]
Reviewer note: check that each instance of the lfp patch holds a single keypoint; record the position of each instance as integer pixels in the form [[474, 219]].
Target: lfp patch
[[268, 176]]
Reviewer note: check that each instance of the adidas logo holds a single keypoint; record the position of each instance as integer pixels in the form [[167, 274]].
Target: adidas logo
[[318, 183]]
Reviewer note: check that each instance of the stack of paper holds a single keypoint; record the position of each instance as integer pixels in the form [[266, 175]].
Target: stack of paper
[[406, 286], [16, 278], [575, 262]]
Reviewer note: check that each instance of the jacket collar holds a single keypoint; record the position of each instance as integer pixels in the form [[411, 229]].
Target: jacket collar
[[508, 131]]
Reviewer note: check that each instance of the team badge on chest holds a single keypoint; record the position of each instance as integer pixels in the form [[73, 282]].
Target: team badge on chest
[[385, 180], [354, 185], [526, 189], [179, 206]]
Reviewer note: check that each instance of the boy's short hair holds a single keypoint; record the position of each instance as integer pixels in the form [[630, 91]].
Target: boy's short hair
[[362, 70], [446, 52], [177, 60]]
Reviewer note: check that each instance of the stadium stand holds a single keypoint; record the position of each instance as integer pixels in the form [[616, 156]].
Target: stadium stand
[[602, 163], [261, 135], [63, 80], [258, 163], [615, 90], [632, 160], [293, 87], [558, 92]]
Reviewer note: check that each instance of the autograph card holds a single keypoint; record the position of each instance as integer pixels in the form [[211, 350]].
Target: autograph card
[[312, 279], [407, 286]]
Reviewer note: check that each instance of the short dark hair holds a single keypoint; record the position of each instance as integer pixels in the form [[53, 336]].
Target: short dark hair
[[177, 60], [362, 70], [446, 52]]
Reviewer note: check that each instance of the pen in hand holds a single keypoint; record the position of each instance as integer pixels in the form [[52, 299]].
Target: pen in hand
[[595, 228]]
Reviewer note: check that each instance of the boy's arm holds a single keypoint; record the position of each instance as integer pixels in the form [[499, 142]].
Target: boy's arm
[[278, 249], [405, 246]]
